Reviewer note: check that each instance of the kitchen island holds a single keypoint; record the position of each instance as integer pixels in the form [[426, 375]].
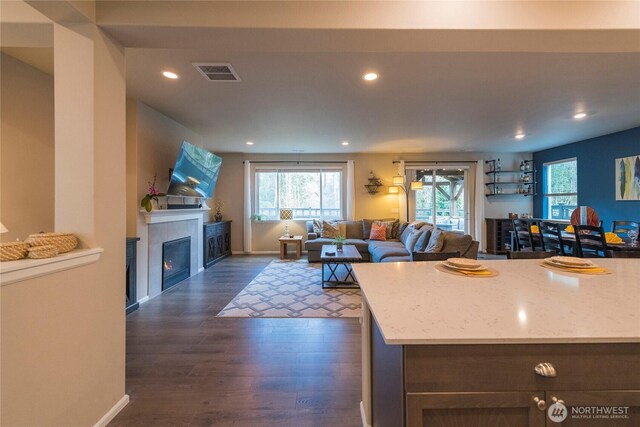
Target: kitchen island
[[446, 350]]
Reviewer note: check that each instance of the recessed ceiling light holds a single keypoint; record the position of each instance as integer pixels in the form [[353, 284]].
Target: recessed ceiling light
[[370, 76], [520, 135], [170, 75], [345, 142], [579, 116], [249, 142]]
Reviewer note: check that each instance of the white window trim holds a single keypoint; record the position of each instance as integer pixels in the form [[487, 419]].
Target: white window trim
[[547, 181], [293, 168]]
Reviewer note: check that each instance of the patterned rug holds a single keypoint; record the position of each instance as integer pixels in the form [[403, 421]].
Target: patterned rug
[[292, 288]]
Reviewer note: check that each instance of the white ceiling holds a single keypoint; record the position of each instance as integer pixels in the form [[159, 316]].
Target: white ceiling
[[422, 102], [454, 75]]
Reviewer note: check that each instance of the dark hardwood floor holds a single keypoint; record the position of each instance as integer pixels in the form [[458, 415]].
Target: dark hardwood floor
[[187, 367]]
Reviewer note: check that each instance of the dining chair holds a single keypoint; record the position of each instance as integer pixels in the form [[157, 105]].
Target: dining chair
[[529, 255], [551, 233], [590, 242], [523, 237], [623, 227]]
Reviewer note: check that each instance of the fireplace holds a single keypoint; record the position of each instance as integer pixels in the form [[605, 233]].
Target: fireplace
[[176, 261]]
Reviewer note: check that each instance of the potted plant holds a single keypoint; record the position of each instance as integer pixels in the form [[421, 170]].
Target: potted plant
[[151, 196], [339, 241]]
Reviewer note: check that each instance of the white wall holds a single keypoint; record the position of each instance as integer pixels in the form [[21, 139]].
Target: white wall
[[63, 335]]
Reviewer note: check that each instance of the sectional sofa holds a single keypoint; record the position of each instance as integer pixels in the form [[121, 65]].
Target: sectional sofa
[[395, 248]]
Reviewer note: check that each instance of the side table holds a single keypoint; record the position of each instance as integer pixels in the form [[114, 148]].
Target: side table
[[294, 240]]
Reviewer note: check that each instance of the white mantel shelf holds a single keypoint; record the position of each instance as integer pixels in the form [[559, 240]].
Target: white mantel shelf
[[170, 215], [24, 269]]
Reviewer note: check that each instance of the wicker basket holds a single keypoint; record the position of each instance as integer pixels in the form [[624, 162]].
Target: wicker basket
[[12, 251], [65, 242], [45, 251]]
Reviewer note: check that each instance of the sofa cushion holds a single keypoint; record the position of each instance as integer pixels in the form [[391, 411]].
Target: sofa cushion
[[405, 258], [454, 242], [423, 240], [401, 228], [436, 241], [366, 225], [412, 239], [333, 229], [383, 252], [392, 227], [375, 244], [354, 230], [317, 226], [378, 231], [316, 245]]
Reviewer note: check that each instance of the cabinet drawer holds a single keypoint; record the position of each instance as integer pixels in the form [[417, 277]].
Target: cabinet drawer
[[474, 368]]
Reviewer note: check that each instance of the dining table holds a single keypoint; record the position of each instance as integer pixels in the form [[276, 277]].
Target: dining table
[[625, 245]]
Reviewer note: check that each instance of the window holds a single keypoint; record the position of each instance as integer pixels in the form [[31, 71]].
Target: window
[[311, 193], [448, 197], [560, 189]]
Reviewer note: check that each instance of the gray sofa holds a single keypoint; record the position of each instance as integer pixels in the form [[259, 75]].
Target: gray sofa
[[391, 250]]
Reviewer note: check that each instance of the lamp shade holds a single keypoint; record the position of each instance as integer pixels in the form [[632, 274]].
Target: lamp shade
[[286, 213], [3, 229], [416, 185], [394, 190], [398, 180]]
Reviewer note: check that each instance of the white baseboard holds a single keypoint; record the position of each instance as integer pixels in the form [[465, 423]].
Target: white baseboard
[[143, 300], [200, 269], [363, 416], [111, 414]]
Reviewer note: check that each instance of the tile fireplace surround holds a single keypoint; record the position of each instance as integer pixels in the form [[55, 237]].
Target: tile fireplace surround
[[167, 225]]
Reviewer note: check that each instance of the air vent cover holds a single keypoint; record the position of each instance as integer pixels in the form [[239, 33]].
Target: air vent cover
[[217, 72]]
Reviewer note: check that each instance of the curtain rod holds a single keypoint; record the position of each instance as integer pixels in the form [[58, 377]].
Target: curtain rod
[[294, 161], [408, 162]]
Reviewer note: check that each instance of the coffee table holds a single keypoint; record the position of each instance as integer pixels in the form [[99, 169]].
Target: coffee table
[[345, 258]]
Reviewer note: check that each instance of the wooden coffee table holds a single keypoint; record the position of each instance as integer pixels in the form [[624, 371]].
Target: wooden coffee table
[[345, 258]]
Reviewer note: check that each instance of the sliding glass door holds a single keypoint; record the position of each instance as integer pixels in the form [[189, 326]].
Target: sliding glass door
[[443, 199]]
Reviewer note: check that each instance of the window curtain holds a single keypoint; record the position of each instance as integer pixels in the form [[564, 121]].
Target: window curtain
[[351, 192], [403, 199], [479, 204], [247, 207]]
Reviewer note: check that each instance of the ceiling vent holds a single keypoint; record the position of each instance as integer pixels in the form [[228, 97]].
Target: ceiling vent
[[217, 72]]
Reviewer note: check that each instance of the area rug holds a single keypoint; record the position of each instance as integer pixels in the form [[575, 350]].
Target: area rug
[[292, 288]]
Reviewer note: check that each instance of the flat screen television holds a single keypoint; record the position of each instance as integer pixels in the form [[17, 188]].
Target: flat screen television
[[196, 172]]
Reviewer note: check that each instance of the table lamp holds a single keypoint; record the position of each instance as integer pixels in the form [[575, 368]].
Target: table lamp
[[286, 214]]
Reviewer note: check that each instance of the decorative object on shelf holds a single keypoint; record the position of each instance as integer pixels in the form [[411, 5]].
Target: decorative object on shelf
[[286, 215], [151, 196], [339, 241], [628, 178], [44, 251], [65, 242], [219, 204], [498, 165], [511, 182], [13, 251], [373, 187]]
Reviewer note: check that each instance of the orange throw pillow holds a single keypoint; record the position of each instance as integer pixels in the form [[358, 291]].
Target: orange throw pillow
[[378, 231]]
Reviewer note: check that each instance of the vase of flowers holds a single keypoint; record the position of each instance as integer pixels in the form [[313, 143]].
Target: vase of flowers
[[218, 209], [151, 198], [339, 241]]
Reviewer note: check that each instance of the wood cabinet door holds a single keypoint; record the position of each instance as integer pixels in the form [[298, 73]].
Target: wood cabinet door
[[597, 408], [502, 409]]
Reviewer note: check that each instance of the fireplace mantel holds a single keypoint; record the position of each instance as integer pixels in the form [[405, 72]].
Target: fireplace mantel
[[171, 215]]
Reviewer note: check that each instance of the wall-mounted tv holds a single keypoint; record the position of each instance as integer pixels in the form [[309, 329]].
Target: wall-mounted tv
[[196, 172]]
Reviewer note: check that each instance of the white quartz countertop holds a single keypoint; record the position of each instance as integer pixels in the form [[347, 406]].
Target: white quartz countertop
[[413, 303]]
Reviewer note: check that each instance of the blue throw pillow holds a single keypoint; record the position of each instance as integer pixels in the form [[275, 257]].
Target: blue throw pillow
[[422, 241], [413, 239]]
